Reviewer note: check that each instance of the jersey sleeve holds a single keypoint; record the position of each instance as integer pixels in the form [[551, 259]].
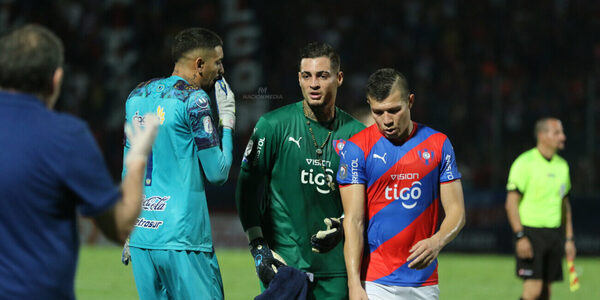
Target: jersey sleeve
[[352, 165], [261, 148], [200, 121], [86, 175], [448, 168], [258, 159], [517, 177]]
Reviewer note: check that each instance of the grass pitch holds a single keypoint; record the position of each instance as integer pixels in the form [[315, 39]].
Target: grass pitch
[[462, 276]]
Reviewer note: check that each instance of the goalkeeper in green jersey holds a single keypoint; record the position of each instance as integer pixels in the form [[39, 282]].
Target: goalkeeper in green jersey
[[294, 151]]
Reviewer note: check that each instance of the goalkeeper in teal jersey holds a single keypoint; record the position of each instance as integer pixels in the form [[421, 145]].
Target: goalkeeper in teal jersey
[[171, 246], [294, 149]]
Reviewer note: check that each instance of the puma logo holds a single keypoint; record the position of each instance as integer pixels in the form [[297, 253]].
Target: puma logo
[[291, 139], [375, 155]]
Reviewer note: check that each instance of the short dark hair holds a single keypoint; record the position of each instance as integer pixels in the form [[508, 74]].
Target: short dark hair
[[192, 39], [29, 56], [381, 83], [318, 49], [542, 125]]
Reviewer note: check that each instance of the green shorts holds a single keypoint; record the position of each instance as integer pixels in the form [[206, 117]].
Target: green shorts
[[328, 288], [175, 274]]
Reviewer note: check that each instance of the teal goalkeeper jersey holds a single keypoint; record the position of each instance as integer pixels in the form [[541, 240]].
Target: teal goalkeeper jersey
[[297, 196], [174, 214]]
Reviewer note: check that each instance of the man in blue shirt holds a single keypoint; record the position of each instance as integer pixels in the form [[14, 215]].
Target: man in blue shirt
[[171, 247], [51, 168]]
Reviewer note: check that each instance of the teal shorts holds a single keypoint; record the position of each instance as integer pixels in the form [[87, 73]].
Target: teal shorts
[[176, 274]]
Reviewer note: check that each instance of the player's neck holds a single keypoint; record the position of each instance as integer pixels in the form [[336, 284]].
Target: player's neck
[[184, 73], [545, 151], [320, 114]]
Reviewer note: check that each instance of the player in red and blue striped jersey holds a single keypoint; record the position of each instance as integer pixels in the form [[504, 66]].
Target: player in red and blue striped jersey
[[394, 175]]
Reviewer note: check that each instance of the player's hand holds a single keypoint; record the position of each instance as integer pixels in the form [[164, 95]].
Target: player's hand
[[265, 260], [141, 137], [524, 249], [125, 255], [423, 253], [570, 250], [357, 293], [226, 103], [325, 240]]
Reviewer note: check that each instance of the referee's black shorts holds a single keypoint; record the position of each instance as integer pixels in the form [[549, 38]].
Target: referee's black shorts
[[548, 250]]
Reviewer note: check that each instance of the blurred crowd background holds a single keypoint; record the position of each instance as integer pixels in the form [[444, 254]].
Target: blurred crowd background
[[482, 71]]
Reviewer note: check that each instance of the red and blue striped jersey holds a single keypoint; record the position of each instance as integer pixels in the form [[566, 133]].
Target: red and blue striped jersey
[[403, 198]]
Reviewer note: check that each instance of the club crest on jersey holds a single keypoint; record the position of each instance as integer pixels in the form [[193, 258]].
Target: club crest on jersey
[[338, 145], [425, 156]]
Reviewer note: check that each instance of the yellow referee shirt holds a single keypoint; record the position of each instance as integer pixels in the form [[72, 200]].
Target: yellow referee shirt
[[543, 184]]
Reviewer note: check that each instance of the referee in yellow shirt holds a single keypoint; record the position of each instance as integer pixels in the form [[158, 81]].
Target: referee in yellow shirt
[[538, 207]]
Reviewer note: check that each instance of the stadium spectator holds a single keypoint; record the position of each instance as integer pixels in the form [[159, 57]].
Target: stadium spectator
[[294, 149], [171, 246], [539, 211], [393, 177], [52, 168]]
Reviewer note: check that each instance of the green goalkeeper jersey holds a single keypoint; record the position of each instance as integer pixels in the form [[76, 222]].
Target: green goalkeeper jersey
[[297, 193]]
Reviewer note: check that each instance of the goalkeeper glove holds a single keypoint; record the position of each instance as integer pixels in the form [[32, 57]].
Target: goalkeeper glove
[[265, 260], [325, 240], [226, 103], [141, 139], [125, 255]]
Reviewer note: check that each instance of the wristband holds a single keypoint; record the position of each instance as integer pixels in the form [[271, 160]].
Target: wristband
[[519, 235]]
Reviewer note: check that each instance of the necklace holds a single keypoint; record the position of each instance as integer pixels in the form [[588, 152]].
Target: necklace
[[319, 151]]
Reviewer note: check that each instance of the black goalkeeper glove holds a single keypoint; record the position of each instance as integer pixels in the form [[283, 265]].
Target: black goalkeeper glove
[[325, 240], [265, 260]]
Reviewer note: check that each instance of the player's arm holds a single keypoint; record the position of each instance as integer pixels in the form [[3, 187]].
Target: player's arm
[[353, 201], [116, 223], [214, 152], [426, 251], [517, 184], [570, 250], [215, 161], [523, 246], [256, 165]]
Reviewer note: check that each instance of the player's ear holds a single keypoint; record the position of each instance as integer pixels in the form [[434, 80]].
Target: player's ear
[[199, 64], [411, 100], [57, 79], [340, 78]]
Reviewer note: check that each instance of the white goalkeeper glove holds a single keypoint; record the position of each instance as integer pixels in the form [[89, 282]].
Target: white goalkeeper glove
[[226, 103], [125, 254], [141, 138], [325, 240]]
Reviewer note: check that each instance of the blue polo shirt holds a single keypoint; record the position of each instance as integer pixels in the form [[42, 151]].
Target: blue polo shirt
[[50, 167]]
